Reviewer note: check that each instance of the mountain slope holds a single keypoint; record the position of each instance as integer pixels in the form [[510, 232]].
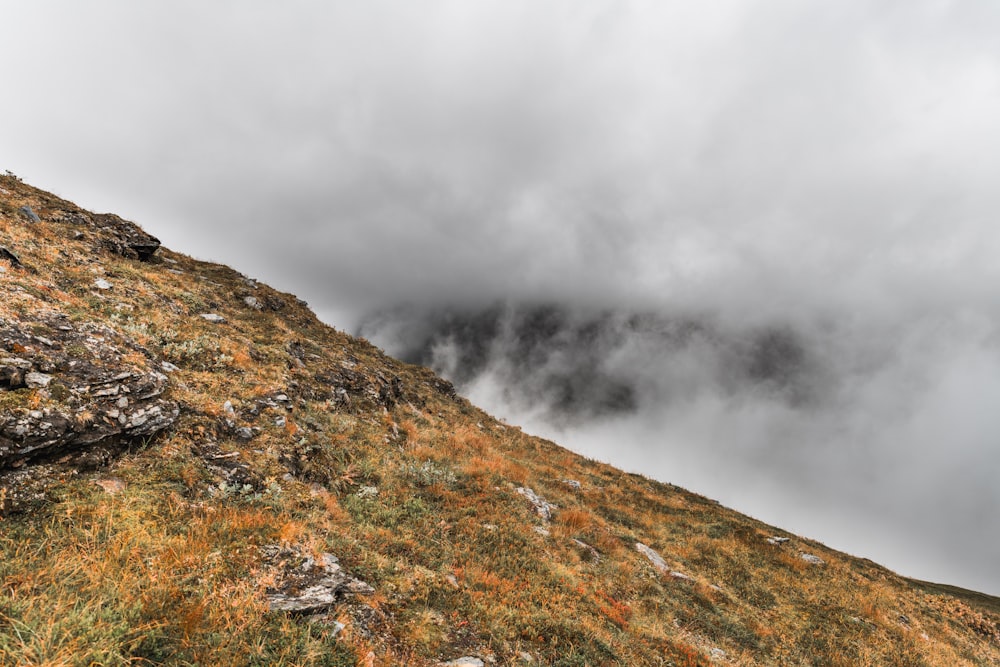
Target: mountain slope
[[194, 470]]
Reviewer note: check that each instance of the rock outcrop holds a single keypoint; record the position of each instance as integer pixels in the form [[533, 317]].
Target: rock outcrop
[[66, 389]]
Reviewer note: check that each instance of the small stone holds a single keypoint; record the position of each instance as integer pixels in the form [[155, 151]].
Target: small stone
[[212, 317], [37, 380], [811, 559], [544, 532], [122, 402], [244, 433], [6, 253], [228, 408], [654, 558], [777, 540], [465, 661], [252, 302], [102, 284], [543, 508], [168, 367], [572, 483], [112, 485], [30, 214], [717, 654]]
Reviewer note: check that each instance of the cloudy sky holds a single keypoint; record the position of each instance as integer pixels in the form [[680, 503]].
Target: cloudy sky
[[819, 174]]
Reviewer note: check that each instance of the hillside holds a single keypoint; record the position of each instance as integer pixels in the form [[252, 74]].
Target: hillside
[[195, 471]]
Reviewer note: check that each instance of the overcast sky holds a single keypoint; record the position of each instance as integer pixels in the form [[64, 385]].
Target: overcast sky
[[826, 166]]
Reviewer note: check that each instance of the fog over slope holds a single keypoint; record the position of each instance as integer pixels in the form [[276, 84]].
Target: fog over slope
[[877, 435], [745, 246]]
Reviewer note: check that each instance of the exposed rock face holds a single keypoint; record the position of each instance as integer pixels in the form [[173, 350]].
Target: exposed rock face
[[125, 238], [70, 391]]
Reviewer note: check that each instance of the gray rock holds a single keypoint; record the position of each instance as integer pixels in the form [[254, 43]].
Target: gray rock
[[543, 508], [777, 540], [212, 317], [654, 558], [102, 284], [572, 483], [308, 585], [27, 212], [37, 380], [252, 302], [812, 559], [168, 367], [466, 661], [660, 564], [244, 433], [7, 254]]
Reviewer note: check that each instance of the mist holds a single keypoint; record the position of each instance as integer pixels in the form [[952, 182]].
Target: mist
[[747, 247]]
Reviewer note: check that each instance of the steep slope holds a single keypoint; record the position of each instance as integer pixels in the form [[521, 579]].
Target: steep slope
[[195, 471]]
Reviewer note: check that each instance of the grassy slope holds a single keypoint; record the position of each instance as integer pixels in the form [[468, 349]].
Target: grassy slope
[[167, 570]]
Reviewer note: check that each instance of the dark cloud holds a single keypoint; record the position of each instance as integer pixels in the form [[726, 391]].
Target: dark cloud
[[811, 184]]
